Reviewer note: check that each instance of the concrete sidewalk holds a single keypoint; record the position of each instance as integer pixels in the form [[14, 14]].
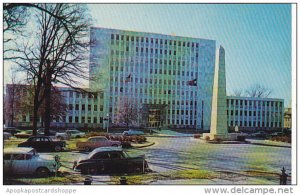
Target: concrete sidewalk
[[143, 145], [270, 143], [168, 133]]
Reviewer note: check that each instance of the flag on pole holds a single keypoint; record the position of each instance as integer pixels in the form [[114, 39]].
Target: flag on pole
[[192, 82], [128, 78]]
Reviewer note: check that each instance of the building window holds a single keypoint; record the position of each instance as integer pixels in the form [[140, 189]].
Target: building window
[[77, 107], [95, 119], [70, 119], [89, 107], [76, 119], [70, 107], [83, 119], [83, 107]]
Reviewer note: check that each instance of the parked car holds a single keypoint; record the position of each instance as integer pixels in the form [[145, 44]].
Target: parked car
[[6, 136], [133, 132], [70, 134], [27, 161], [24, 134], [41, 131], [44, 143], [11, 130], [111, 160], [96, 142]]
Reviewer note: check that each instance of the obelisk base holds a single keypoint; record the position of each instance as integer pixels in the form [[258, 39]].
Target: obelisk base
[[220, 137]]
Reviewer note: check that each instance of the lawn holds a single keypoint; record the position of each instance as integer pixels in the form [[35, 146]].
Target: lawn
[[170, 175]]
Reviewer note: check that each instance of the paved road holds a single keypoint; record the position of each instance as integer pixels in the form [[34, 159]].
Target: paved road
[[170, 154], [181, 153]]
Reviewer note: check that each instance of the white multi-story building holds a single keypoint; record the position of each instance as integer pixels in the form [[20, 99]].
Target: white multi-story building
[[255, 113], [83, 108], [170, 77], [86, 109]]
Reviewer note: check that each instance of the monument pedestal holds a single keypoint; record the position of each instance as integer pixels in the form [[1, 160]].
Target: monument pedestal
[[222, 137]]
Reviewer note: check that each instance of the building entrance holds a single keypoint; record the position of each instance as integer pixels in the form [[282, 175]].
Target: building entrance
[[154, 115], [154, 118]]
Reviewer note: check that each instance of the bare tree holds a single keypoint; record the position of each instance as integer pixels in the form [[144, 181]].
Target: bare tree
[[12, 100], [58, 104], [14, 20], [238, 92], [258, 90], [58, 55], [128, 112]]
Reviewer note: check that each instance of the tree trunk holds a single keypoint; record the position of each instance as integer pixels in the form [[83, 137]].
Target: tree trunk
[[47, 93], [12, 107], [42, 121], [35, 116]]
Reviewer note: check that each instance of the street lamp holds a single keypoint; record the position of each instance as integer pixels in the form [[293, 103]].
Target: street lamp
[[107, 118]]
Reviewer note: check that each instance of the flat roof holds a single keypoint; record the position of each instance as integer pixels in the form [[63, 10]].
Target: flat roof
[[153, 33], [254, 98]]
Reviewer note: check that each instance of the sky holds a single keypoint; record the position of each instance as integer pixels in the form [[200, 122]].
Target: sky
[[256, 37]]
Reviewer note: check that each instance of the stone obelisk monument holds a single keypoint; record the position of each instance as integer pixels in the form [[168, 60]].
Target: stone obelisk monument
[[218, 125]]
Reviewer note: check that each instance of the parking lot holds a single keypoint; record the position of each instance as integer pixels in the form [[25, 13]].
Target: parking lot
[[225, 163]]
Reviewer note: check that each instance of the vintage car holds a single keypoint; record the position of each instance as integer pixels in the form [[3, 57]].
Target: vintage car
[[11, 130], [96, 142], [24, 134], [133, 132], [27, 161], [69, 134], [6, 136], [111, 160], [44, 143], [41, 131]]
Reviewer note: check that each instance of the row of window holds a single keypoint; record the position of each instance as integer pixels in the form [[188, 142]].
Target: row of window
[[182, 122], [159, 71], [118, 37], [250, 113], [83, 107], [155, 81], [259, 124], [179, 62], [155, 91], [89, 119], [83, 95], [253, 102]]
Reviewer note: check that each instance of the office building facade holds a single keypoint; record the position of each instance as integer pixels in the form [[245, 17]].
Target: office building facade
[[86, 109], [81, 108], [167, 80], [169, 77], [250, 113]]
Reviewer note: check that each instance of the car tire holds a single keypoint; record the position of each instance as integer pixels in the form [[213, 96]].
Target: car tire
[[60, 138], [42, 172], [87, 149], [57, 148], [89, 170]]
